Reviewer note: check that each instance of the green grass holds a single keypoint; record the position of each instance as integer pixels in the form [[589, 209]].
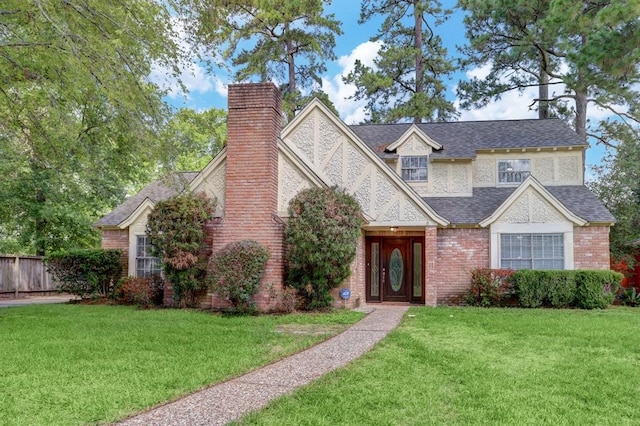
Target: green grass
[[469, 366], [78, 364]]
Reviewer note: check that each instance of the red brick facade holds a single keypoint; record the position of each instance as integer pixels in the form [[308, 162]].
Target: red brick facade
[[251, 182], [459, 251], [591, 247], [118, 239]]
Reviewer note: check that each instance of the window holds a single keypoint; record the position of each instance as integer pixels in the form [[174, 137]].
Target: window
[[531, 251], [513, 171], [146, 265], [414, 168]]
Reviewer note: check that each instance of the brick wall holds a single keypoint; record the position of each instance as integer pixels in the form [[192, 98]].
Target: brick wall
[[251, 180], [355, 282], [459, 251], [118, 239], [591, 247]]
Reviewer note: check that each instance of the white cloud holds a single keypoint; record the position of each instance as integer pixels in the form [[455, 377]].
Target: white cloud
[[351, 112]]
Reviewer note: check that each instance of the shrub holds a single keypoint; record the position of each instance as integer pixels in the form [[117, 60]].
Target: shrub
[[235, 272], [143, 292], [596, 289], [529, 288], [561, 288], [85, 273], [321, 238], [629, 296], [489, 287], [176, 229]]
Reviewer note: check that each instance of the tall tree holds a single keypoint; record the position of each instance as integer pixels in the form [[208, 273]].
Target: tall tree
[[585, 51], [78, 113], [283, 40], [192, 138], [617, 184], [406, 81]]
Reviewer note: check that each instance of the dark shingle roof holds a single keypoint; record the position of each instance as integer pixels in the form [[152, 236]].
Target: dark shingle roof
[[461, 139], [472, 210], [155, 191]]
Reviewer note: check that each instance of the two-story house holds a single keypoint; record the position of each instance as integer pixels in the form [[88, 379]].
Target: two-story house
[[440, 199]]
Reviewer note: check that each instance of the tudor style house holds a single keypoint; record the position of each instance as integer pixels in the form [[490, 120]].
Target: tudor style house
[[440, 199]]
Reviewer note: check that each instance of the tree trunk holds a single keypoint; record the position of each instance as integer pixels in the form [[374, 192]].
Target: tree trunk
[[543, 93], [290, 60], [419, 64]]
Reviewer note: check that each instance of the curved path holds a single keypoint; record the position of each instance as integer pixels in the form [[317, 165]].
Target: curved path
[[229, 400]]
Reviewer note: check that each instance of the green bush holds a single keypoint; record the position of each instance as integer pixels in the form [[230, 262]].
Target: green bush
[[596, 289], [489, 287], [85, 273], [529, 287], [176, 229], [143, 292], [561, 288], [629, 296], [586, 289], [321, 238], [235, 271]]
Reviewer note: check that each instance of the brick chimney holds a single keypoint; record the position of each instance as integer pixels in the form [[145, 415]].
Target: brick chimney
[[251, 181]]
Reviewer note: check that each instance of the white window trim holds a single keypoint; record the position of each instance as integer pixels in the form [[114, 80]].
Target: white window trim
[[532, 228]]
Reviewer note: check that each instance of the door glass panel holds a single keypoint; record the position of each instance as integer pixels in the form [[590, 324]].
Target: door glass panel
[[375, 269], [396, 268], [417, 270]]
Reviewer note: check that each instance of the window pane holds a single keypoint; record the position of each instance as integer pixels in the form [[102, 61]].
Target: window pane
[[417, 270], [527, 251], [414, 168], [513, 171], [375, 272]]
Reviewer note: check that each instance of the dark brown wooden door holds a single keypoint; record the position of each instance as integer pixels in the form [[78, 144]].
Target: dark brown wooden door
[[395, 272]]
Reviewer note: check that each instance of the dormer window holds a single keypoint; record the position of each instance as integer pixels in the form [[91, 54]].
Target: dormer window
[[513, 172], [414, 168]]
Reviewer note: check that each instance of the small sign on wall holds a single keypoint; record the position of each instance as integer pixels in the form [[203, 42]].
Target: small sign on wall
[[345, 293]]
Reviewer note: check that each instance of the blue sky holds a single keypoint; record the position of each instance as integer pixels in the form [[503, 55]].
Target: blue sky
[[207, 91]]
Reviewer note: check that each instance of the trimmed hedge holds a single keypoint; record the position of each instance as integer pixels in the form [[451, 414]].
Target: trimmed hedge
[[235, 272], [85, 273], [587, 289], [489, 287]]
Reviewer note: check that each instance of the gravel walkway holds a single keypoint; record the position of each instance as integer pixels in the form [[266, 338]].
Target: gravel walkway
[[229, 400]]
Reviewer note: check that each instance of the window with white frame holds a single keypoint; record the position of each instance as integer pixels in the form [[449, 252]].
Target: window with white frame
[[146, 264], [532, 251], [512, 172], [414, 168]]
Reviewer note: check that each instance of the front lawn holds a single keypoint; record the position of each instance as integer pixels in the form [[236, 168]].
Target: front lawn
[[77, 364], [483, 366]]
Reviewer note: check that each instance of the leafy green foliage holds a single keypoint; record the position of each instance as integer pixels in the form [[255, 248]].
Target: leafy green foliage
[[235, 271], [406, 81], [587, 289], [489, 287], [629, 296], [193, 138], [143, 292], [596, 289], [176, 228], [618, 187], [85, 273], [544, 288], [282, 40], [321, 239], [583, 52], [78, 114]]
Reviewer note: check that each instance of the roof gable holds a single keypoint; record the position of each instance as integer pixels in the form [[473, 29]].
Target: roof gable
[[530, 202], [211, 180], [337, 156], [414, 131]]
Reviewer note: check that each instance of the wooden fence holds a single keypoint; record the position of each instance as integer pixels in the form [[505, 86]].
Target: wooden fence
[[24, 275]]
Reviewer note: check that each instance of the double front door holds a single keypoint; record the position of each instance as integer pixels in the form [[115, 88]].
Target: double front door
[[395, 270]]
